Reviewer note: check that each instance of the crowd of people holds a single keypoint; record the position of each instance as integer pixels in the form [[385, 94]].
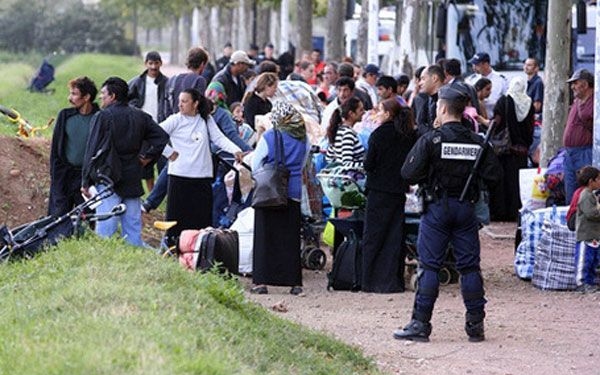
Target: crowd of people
[[428, 132]]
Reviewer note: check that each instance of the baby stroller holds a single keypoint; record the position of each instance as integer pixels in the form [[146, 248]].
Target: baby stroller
[[43, 77], [26, 240], [311, 255], [343, 186], [226, 210], [448, 273]]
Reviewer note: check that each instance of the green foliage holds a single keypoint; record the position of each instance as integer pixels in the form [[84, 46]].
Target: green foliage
[[39, 108], [94, 306], [74, 28]]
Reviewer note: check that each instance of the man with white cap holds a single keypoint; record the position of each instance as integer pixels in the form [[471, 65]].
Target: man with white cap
[[231, 76], [482, 68]]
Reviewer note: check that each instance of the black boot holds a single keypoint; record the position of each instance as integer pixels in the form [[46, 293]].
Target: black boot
[[414, 331], [474, 326]]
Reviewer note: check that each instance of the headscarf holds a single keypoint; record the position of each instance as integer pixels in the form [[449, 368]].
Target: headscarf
[[215, 92], [287, 118], [517, 90]]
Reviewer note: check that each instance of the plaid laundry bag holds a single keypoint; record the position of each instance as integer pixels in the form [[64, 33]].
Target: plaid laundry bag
[[554, 267], [531, 229]]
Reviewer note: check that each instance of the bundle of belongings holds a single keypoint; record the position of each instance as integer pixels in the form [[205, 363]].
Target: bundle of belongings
[[546, 253]]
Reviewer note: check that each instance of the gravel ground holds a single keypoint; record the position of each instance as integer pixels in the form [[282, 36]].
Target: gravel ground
[[528, 331]]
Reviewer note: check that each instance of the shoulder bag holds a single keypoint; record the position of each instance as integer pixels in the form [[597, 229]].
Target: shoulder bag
[[271, 179], [500, 139]]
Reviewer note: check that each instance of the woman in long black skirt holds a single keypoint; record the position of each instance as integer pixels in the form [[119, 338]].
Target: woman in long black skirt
[[189, 199], [277, 231], [383, 246]]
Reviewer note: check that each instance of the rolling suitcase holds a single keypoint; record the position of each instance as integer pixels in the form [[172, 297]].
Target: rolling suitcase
[[219, 246], [200, 250]]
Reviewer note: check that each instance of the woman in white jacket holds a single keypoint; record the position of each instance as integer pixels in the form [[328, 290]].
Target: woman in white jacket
[[191, 130]]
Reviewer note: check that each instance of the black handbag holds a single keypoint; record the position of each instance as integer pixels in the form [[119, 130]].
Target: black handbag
[[272, 179], [500, 139]]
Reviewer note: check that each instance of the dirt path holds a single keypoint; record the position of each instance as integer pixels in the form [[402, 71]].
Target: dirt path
[[528, 331]]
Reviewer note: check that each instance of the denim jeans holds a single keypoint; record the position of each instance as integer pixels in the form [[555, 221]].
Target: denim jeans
[[158, 193], [537, 137], [575, 158], [131, 220]]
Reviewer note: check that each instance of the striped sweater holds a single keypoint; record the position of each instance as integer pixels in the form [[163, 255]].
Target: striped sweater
[[347, 148]]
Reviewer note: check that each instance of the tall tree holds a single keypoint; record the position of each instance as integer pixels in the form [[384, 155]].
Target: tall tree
[[285, 26], [362, 41], [407, 40], [305, 12], [557, 66], [335, 29]]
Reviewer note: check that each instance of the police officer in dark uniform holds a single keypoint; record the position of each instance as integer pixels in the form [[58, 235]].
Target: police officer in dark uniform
[[442, 161]]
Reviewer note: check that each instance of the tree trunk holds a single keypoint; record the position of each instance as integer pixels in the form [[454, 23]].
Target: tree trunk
[[373, 37], [334, 50], [596, 130], [362, 40], [134, 25], [203, 31], [275, 29], [305, 8], [196, 29], [226, 27], [556, 92], [175, 40], [187, 30], [263, 26], [244, 25], [284, 42], [408, 36]]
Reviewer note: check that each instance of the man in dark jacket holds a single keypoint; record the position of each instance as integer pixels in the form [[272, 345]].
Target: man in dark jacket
[[231, 76], [147, 92], [120, 130], [68, 146], [432, 79]]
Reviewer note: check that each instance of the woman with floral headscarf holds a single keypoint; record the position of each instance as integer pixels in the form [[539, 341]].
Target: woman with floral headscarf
[[515, 111], [277, 232]]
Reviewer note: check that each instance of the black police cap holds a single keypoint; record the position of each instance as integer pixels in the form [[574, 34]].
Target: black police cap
[[454, 92]]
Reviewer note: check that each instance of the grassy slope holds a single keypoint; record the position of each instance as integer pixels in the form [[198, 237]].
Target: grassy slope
[[39, 108], [100, 307]]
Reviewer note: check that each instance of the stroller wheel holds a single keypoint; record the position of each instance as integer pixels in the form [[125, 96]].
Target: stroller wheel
[[414, 281], [314, 259], [445, 276], [455, 276], [304, 255]]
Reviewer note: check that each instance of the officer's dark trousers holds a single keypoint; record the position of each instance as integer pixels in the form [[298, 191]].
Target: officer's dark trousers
[[445, 221], [383, 248]]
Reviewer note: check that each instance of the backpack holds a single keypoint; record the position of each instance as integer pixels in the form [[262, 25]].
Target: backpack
[[572, 212], [175, 85], [346, 271]]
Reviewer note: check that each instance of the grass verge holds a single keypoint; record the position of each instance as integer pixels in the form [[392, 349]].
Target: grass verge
[[93, 306], [39, 108]]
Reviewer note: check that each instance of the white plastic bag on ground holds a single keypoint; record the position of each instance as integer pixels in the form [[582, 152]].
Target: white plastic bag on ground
[[244, 225]]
